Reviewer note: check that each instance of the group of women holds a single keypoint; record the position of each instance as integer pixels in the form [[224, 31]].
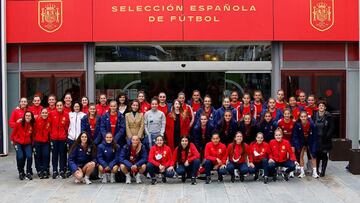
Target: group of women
[[184, 138]]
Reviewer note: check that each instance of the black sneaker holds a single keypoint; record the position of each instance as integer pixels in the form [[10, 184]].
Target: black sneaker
[[62, 175], [55, 174], [266, 179], [256, 176], [193, 181], [242, 178], [21, 176], [29, 176], [208, 180], [46, 175], [274, 178], [68, 174], [163, 179], [232, 179], [220, 178], [286, 176], [183, 178], [153, 181], [41, 175]]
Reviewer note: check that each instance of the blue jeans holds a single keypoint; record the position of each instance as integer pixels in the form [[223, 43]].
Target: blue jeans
[[58, 155], [190, 171], [23, 153], [242, 167], [155, 170], [263, 164], [42, 156], [290, 165], [210, 166]]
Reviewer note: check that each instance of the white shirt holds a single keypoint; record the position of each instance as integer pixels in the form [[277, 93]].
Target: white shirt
[[75, 125]]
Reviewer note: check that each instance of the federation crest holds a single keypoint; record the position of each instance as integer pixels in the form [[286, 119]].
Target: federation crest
[[50, 15], [322, 14]]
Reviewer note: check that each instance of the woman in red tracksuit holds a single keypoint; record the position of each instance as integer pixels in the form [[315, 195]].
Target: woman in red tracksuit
[[102, 107], [177, 125], [59, 127], [246, 107], [259, 104], [311, 108], [36, 107], [42, 144], [280, 100], [234, 97], [21, 138], [259, 157], [287, 125], [238, 157], [51, 103], [187, 108], [18, 113], [215, 158], [186, 160], [282, 155], [163, 105], [160, 161], [195, 101], [85, 104], [144, 105], [302, 100], [294, 108], [67, 103]]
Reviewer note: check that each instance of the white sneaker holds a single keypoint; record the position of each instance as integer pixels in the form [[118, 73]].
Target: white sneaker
[[104, 178], [138, 178], [87, 180], [112, 177], [314, 174], [291, 174], [302, 175], [128, 179], [236, 173]]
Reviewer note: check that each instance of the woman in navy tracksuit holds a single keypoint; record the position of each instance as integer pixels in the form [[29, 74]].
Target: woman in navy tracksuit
[[206, 109], [133, 158], [114, 122], [267, 126], [82, 158], [226, 105], [271, 107], [305, 139], [90, 123], [227, 127], [108, 158], [248, 128], [201, 134]]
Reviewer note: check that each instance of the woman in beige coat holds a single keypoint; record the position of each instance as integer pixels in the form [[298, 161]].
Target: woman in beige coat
[[134, 121]]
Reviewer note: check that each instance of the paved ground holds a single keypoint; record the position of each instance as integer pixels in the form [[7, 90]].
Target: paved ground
[[338, 186]]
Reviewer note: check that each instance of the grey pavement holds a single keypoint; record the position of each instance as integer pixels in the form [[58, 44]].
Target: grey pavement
[[338, 186]]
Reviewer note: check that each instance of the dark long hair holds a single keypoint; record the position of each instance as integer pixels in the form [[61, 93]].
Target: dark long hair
[[89, 143], [182, 111], [243, 151], [180, 149], [223, 122], [126, 99], [114, 146], [32, 122]]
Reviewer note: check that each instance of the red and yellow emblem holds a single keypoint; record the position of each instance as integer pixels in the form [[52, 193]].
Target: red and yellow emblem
[[322, 14], [50, 15]]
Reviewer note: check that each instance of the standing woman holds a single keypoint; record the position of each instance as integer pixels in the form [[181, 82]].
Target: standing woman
[[311, 108], [18, 113], [234, 99], [201, 133], [133, 158], [155, 122], [160, 161], [90, 123], [248, 128], [59, 121], [294, 108], [186, 160], [177, 125], [187, 108], [36, 107], [102, 107], [113, 122], [280, 100], [82, 158], [206, 109], [267, 127], [215, 158], [302, 100], [144, 105], [68, 103], [75, 117], [163, 105], [225, 106], [305, 140], [122, 101], [246, 107], [275, 113], [258, 104], [227, 127], [108, 158], [324, 124], [134, 121], [238, 157], [42, 144], [85, 104], [51, 103], [21, 138], [195, 101], [259, 157], [287, 125]]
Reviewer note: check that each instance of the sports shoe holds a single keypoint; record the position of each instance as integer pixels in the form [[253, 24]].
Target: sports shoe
[[266, 179], [208, 180], [62, 175], [220, 178], [193, 181], [55, 174], [164, 179], [41, 175], [242, 178], [29, 176], [87, 180], [291, 174], [236, 172], [46, 175], [232, 178], [21, 176], [286, 176], [138, 178], [183, 178], [112, 177], [128, 179], [256, 176], [153, 181], [104, 178], [314, 174], [302, 175]]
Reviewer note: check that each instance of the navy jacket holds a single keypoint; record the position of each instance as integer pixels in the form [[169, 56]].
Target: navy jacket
[[119, 129], [141, 156], [233, 128], [267, 128], [211, 118], [85, 126], [106, 156], [279, 114], [197, 135], [219, 114], [298, 139], [79, 157], [249, 135]]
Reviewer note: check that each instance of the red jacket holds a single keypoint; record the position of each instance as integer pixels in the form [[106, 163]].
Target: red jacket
[[287, 128], [51, 110], [59, 125], [192, 155], [101, 110], [36, 110], [160, 155], [42, 129], [259, 152], [212, 152], [144, 107], [164, 109], [22, 135], [235, 105], [310, 110], [280, 106], [169, 129], [237, 157], [67, 109], [281, 150], [16, 115], [85, 109]]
